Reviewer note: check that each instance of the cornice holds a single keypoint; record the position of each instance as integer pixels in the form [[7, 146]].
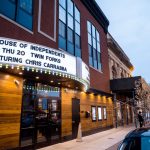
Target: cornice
[[97, 13]]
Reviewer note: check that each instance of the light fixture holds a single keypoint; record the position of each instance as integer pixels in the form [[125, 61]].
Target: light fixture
[[20, 73], [28, 68], [59, 83], [37, 77], [22, 67], [12, 67], [6, 66], [51, 81]]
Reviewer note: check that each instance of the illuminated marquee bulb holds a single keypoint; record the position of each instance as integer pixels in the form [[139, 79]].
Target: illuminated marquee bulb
[[22, 67], [36, 70], [12, 67], [49, 72], [32, 69], [1, 65], [6, 66], [45, 71], [41, 70], [17, 67], [28, 68]]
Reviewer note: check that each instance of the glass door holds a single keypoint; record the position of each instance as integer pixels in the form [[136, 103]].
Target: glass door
[[41, 114], [41, 120], [54, 118]]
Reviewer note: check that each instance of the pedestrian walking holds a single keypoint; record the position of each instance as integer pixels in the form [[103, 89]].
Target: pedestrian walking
[[141, 119]]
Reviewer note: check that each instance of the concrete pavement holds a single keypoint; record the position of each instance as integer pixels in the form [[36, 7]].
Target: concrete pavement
[[99, 141]]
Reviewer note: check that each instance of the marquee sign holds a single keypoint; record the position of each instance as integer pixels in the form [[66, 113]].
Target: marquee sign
[[21, 53]]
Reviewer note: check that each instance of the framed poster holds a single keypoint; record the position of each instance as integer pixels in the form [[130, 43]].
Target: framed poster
[[93, 109], [104, 113], [99, 108]]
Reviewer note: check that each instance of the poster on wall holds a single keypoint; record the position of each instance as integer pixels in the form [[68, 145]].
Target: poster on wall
[[93, 113], [99, 113], [104, 113]]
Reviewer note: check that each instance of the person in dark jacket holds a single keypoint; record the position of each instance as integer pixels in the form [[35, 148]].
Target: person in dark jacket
[[141, 119]]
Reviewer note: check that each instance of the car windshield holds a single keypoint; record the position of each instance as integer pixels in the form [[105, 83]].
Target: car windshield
[[138, 143]]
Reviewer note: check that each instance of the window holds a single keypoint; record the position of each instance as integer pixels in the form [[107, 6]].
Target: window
[[94, 47], [19, 11], [69, 16], [99, 113], [93, 113], [104, 113]]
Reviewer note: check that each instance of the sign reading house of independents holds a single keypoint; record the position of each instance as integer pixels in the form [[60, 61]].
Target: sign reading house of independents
[[14, 52]]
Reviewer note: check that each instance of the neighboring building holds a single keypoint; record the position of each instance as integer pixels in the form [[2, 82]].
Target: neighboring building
[[54, 71], [142, 96], [119, 63], [121, 68], [131, 94]]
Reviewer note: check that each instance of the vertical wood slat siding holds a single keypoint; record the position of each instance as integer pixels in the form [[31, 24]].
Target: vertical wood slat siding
[[86, 101], [10, 110]]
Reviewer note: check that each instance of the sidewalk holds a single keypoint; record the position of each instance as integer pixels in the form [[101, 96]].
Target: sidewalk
[[99, 141]]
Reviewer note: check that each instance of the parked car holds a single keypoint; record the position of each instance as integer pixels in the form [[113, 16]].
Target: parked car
[[138, 139]]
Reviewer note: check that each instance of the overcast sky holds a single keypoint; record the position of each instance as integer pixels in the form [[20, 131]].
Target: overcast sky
[[130, 27]]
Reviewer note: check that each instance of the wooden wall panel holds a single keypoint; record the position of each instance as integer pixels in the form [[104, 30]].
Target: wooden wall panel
[[10, 110], [86, 101]]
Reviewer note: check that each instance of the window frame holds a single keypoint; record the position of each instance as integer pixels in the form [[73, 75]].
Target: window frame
[[16, 18], [94, 42], [76, 30]]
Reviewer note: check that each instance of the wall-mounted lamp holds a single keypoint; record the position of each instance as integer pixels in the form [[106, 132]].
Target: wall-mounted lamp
[[16, 82]]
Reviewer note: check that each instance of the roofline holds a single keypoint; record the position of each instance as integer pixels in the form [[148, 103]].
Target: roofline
[[97, 13], [115, 47]]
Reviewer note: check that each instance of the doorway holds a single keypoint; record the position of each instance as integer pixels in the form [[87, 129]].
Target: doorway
[[41, 115], [75, 116]]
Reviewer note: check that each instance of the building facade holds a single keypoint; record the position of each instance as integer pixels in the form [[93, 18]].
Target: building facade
[[54, 71], [120, 68]]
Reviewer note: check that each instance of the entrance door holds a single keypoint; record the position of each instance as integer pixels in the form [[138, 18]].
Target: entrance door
[[48, 123], [75, 116], [41, 115]]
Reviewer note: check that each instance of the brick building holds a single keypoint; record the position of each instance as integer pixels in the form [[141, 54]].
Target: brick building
[[120, 69], [54, 71]]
